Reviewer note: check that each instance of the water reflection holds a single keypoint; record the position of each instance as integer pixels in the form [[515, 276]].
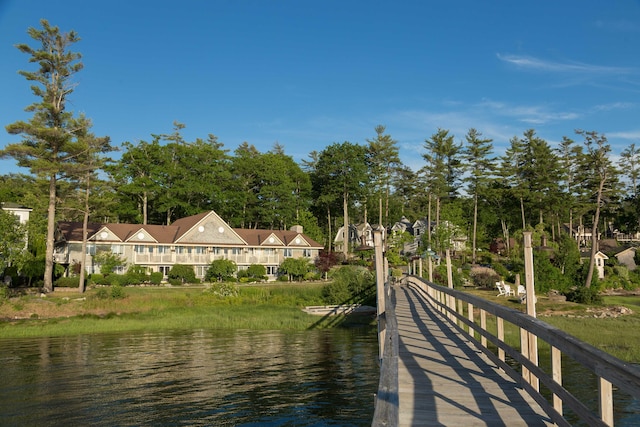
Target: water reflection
[[222, 378]]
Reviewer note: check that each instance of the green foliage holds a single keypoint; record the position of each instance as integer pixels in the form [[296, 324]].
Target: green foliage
[[108, 261], [184, 273], [257, 271], [295, 268], [584, 295], [117, 292], [12, 240], [137, 274], [221, 269], [156, 277], [567, 258], [67, 282], [547, 276], [350, 285], [440, 276]]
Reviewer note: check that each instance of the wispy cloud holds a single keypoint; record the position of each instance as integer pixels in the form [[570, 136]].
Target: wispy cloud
[[613, 106], [537, 64], [531, 114], [620, 26]]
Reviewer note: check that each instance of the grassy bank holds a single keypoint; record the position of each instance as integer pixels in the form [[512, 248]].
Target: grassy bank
[[270, 307], [266, 307]]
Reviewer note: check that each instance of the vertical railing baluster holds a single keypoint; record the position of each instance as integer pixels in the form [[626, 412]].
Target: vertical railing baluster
[[500, 334], [483, 326], [606, 401], [556, 374]]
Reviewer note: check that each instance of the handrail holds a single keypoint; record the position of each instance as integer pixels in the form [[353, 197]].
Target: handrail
[[609, 370], [387, 402]]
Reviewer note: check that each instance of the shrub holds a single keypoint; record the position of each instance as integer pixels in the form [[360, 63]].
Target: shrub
[[257, 271], [67, 282], [484, 277], [350, 285], [440, 276], [295, 268], [221, 269], [117, 292], [175, 282], [184, 273], [156, 277], [98, 279], [136, 274], [584, 295]]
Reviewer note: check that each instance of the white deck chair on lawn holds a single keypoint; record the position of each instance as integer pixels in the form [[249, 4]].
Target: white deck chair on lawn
[[508, 291], [501, 290]]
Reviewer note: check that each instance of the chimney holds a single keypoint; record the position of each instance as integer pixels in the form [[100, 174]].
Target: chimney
[[297, 229]]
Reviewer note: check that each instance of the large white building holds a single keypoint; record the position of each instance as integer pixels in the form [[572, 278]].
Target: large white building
[[195, 240]]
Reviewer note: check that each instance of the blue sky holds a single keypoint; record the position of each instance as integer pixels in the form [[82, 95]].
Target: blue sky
[[307, 74]]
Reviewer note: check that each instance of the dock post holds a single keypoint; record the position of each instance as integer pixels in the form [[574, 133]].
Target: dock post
[[380, 289]]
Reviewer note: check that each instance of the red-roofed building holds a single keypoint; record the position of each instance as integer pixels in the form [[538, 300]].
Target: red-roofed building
[[195, 240]]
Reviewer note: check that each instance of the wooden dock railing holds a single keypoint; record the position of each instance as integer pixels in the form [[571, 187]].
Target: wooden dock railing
[[386, 402], [469, 315]]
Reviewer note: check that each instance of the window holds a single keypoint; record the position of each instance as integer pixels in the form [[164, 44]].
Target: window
[[236, 251], [163, 249], [179, 249], [139, 249], [200, 250], [164, 269], [150, 249], [272, 270], [288, 252], [307, 253], [91, 249]]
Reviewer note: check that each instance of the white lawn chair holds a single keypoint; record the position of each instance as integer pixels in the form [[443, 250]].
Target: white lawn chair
[[501, 290], [508, 291], [522, 294]]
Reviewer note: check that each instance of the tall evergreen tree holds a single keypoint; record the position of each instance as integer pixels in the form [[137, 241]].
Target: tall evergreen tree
[[541, 174], [443, 169], [479, 164], [383, 160], [340, 175], [48, 137], [568, 156]]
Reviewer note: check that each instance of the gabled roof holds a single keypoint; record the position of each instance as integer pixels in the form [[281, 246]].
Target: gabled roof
[[205, 228], [286, 237]]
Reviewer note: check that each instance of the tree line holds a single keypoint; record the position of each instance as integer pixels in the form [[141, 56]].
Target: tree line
[[75, 176]]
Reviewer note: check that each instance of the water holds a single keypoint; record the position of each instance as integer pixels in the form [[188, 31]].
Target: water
[[203, 377]]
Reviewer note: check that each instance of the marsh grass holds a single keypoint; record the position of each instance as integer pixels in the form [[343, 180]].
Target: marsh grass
[[265, 307]]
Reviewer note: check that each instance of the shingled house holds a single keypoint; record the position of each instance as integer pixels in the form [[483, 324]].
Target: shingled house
[[195, 240]]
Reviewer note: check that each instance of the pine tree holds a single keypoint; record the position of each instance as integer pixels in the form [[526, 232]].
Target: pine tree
[[47, 146]]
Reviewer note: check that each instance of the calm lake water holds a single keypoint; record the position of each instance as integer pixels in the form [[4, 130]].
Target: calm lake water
[[203, 377]]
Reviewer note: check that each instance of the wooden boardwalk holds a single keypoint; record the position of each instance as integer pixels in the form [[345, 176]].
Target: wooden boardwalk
[[445, 381]]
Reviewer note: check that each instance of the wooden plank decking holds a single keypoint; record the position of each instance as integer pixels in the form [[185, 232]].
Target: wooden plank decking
[[445, 381]]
